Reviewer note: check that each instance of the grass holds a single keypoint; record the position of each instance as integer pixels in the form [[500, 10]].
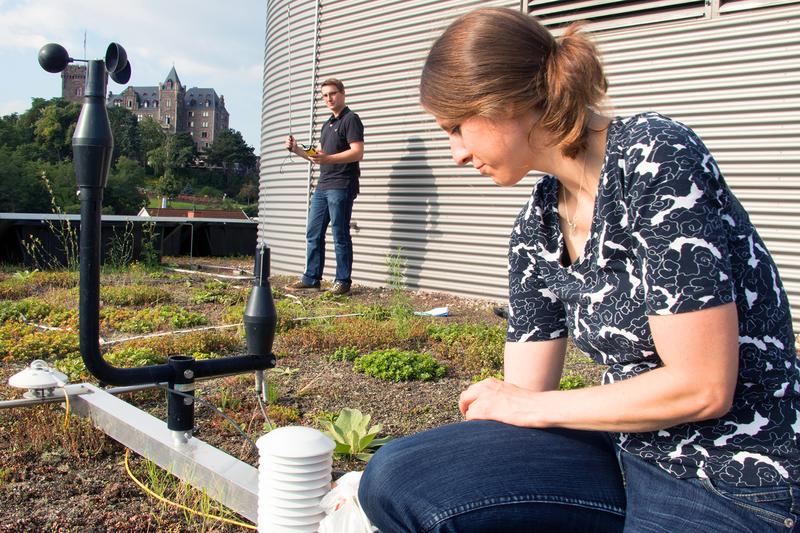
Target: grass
[[175, 204], [169, 488]]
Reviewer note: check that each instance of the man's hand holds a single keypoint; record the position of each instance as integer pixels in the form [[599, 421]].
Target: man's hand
[[320, 158], [290, 144]]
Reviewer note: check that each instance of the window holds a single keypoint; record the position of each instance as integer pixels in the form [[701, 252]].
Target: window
[[191, 113], [146, 104], [205, 124], [191, 134], [169, 103], [205, 113], [168, 119], [204, 134], [139, 118], [208, 103], [130, 103], [155, 103], [191, 123]]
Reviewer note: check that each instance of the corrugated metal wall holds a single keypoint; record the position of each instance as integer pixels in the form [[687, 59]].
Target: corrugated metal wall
[[446, 222], [286, 107], [733, 77]]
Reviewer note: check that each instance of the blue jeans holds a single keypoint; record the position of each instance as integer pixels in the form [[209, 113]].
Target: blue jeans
[[334, 207], [487, 476]]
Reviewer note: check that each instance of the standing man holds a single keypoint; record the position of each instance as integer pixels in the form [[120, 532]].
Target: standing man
[[342, 147]]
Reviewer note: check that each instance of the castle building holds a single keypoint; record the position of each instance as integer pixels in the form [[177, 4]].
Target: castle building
[[73, 80], [200, 112]]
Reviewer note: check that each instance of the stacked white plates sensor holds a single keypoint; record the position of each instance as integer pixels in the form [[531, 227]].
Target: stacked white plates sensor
[[294, 473]]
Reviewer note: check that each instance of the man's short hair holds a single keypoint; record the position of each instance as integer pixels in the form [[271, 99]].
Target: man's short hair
[[333, 81]]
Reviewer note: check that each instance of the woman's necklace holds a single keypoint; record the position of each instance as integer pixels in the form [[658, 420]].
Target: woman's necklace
[[571, 221]]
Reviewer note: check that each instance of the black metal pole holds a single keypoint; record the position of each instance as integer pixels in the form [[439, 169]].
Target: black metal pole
[[180, 409], [92, 145]]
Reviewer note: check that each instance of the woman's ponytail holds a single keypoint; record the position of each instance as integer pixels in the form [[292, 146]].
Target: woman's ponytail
[[574, 84]]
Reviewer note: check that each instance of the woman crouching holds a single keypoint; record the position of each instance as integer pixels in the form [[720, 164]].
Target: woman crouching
[[633, 245]]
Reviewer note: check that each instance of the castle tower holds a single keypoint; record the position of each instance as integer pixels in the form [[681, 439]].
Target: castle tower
[[73, 81], [171, 95]]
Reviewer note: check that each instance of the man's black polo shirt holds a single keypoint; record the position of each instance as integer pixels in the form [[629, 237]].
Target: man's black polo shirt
[[337, 134]]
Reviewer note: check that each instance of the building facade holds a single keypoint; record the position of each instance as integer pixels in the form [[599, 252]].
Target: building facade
[[726, 68], [200, 112]]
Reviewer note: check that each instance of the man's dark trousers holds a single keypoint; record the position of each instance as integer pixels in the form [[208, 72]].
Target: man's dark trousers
[[334, 206]]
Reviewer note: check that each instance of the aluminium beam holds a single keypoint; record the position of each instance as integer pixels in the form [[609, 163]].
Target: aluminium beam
[[225, 479]]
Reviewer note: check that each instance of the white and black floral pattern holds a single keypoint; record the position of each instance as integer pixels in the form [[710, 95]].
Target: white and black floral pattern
[[668, 236]]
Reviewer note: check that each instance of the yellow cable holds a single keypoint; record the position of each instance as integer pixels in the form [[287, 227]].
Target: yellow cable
[[66, 410], [176, 504]]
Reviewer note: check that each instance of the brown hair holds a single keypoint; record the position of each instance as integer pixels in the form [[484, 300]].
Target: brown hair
[[333, 81], [493, 62]]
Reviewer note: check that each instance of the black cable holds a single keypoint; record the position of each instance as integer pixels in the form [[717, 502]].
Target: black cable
[[253, 448]]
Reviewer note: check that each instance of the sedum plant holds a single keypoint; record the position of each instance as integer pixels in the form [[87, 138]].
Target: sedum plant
[[398, 365], [344, 353], [353, 435]]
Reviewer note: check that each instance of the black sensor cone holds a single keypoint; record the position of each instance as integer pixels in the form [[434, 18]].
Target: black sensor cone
[[260, 316]]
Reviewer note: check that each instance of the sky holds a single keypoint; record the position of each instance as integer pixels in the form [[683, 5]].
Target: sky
[[211, 44]]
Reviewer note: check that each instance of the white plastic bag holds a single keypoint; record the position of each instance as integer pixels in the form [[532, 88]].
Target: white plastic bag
[[436, 311], [343, 513]]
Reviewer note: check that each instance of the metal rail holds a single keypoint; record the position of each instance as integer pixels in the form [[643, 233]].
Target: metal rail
[[226, 479]]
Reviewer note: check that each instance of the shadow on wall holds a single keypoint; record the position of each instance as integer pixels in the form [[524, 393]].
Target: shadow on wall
[[414, 208]]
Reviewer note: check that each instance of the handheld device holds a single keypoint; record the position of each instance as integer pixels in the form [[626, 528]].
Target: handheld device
[[309, 150]]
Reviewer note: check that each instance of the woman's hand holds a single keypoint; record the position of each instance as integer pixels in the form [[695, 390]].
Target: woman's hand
[[492, 399]]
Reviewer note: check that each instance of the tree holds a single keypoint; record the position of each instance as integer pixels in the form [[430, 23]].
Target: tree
[[39, 142], [54, 128], [28, 119], [62, 184], [229, 149], [231, 152], [249, 192], [9, 131], [123, 192], [169, 159], [152, 137], [235, 156], [127, 138], [168, 185], [21, 189]]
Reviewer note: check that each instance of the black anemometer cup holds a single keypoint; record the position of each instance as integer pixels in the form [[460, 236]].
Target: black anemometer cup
[[53, 58]]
